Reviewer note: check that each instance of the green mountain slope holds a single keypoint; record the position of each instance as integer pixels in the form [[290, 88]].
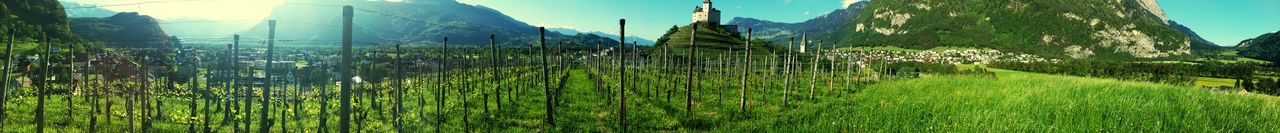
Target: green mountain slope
[[1107, 29], [1264, 47], [128, 29], [32, 17]]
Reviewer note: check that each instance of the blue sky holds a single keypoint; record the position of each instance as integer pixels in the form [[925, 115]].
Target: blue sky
[[1225, 22]]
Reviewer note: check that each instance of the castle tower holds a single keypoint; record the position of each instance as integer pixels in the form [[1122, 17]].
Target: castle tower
[[706, 13]]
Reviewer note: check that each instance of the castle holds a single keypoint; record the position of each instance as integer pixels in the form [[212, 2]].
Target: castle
[[706, 13]]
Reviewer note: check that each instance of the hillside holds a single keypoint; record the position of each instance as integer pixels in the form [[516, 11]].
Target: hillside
[[1120, 29], [129, 29], [379, 22], [821, 27], [31, 17], [1264, 47], [709, 36]]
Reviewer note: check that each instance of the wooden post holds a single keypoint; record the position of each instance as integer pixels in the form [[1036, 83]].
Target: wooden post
[[746, 72], [4, 90], [399, 89], [546, 86], [345, 69], [441, 80], [493, 49], [265, 123], [813, 73], [44, 84], [786, 78], [688, 87], [622, 70]]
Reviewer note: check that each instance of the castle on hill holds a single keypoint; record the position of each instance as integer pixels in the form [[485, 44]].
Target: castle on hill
[[706, 13]]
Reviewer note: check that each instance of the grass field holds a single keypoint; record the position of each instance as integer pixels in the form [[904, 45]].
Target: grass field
[[1027, 102]]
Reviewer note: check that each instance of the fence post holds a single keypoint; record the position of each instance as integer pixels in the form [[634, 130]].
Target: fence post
[[346, 73]]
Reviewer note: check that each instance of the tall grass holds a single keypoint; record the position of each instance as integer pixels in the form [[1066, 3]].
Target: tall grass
[[1028, 102]]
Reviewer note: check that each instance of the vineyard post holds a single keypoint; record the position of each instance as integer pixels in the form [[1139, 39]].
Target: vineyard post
[[44, 84], [688, 87], [786, 78], [399, 89], [813, 73], [546, 85], [622, 70], [746, 72], [666, 63], [4, 91], [265, 123], [493, 49], [191, 86], [234, 75], [440, 84], [345, 69], [831, 71]]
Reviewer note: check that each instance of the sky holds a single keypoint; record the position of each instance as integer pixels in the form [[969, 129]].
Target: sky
[[1225, 22]]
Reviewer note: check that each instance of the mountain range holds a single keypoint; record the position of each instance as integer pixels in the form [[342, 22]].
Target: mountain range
[[419, 22], [80, 10], [821, 27], [636, 39]]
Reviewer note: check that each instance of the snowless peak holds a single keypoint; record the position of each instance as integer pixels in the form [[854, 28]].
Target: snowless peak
[[1154, 9]]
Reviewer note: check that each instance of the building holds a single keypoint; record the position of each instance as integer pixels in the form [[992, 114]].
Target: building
[[706, 13]]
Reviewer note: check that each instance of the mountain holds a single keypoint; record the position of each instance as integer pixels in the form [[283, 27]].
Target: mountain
[[1264, 47], [637, 39], [1099, 29], [1197, 43], [78, 10], [31, 18], [128, 29], [416, 22], [821, 27]]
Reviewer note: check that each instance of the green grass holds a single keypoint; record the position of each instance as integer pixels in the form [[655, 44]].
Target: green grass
[[1028, 102]]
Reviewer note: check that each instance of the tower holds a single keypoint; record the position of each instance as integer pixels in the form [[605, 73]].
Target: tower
[[706, 13]]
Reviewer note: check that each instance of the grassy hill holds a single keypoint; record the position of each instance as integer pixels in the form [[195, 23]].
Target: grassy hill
[[1028, 102], [713, 39]]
